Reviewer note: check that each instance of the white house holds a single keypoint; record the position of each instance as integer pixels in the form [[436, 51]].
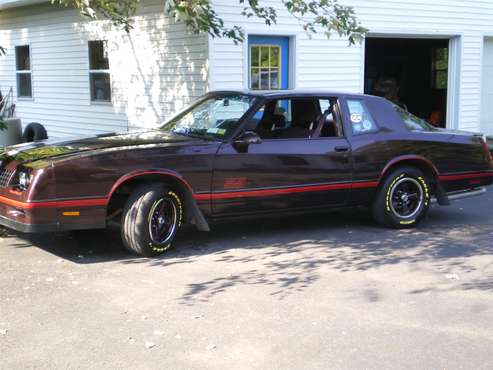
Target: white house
[[76, 76]]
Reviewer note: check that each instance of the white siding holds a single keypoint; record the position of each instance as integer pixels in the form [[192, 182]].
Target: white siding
[[155, 71], [331, 64], [160, 67], [487, 87]]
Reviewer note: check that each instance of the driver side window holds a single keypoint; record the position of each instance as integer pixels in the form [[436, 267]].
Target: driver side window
[[299, 118]]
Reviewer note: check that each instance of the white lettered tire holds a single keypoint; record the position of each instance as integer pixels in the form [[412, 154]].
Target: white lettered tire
[[403, 199], [151, 218]]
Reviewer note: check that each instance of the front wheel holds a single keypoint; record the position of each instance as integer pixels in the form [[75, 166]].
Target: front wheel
[[403, 200], [151, 218]]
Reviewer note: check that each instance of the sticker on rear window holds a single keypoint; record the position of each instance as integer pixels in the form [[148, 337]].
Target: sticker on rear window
[[361, 120], [356, 118]]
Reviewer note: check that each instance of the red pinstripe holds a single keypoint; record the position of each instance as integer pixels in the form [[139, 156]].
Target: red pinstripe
[[465, 176], [95, 202], [55, 204], [284, 191]]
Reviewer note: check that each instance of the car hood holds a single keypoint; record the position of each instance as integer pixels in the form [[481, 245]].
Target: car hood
[[49, 149]]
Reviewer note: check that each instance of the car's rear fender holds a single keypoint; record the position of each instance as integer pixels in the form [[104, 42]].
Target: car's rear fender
[[475, 148], [424, 165], [470, 165]]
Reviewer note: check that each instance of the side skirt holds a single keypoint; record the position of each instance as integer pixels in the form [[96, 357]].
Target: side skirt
[[288, 213]]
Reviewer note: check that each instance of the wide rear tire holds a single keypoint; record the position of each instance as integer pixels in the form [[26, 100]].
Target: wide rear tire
[[403, 199], [151, 218]]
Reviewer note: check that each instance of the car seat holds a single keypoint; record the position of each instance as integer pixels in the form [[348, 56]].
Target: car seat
[[304, 113]]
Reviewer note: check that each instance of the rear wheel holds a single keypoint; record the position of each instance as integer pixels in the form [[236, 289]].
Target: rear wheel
[[403, 200], [151, 218]]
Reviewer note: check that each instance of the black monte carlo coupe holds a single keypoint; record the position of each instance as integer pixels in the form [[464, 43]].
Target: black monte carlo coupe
[[237, 154]]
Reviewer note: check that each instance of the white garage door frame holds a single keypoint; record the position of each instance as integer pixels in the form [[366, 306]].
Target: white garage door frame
[[485, 36], [454, 68]]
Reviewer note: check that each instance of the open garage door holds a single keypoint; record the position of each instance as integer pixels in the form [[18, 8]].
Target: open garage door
[[412, 72]]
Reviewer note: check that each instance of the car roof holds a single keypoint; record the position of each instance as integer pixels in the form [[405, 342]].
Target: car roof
[[292, 92]]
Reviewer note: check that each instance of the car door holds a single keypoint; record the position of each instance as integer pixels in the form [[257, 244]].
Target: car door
[[284, 173]]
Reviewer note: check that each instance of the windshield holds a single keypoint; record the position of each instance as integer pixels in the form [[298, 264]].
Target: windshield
[[214, 117]]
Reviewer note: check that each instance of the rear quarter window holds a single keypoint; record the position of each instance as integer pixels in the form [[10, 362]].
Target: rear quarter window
[[360, 118]]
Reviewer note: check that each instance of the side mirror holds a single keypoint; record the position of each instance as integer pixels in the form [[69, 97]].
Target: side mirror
[[246, 139]]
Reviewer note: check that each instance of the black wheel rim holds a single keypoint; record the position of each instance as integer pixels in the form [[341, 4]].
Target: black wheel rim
[[162, 221], [406, 197]]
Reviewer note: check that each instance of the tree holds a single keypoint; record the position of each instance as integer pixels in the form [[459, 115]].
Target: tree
[[326, 16]]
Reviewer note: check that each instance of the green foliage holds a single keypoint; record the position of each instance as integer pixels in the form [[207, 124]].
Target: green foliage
[[118, 11], [326, 16], [3, 126]]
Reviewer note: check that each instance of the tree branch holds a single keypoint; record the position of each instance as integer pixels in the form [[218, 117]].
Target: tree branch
[[325, 16]]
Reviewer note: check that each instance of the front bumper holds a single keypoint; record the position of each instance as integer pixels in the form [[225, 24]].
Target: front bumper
[[50, 216], [17, 215], [27, 228]]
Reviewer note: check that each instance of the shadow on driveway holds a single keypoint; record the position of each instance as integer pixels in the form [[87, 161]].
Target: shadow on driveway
[[287, 254]]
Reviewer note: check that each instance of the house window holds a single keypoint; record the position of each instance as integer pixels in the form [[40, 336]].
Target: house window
[[99, 71], [265, 67], [439, 68], [23, 71]]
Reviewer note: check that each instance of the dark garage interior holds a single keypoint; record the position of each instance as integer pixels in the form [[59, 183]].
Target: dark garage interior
[[417, 68]]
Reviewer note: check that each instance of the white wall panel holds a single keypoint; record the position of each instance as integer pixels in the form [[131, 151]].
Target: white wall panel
[[155, 71], [160, 67], [487, 87]]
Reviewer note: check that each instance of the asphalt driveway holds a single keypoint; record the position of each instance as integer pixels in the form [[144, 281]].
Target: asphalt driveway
[[321, 292]]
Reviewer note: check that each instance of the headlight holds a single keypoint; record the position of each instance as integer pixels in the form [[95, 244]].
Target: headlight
[[24, 180]]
